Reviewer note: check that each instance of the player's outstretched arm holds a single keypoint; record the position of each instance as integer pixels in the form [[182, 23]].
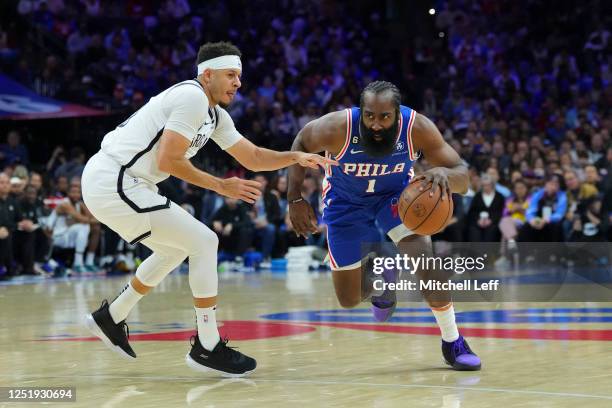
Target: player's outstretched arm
[[171, 159], [448, 171], [257, 158], [326, 133]]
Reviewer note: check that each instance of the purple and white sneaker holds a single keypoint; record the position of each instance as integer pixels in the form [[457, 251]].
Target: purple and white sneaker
[[458, 355], [384, 305], [382, 309]]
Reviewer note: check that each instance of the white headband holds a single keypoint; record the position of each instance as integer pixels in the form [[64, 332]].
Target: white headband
[[223, 62]]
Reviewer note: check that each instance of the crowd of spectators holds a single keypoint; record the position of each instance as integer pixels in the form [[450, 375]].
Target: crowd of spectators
[[520, 89]]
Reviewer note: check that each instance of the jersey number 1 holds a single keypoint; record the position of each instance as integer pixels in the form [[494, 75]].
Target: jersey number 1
[[370, 188]]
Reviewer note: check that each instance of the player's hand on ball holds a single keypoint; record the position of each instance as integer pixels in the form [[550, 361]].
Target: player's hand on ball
[[313, 160], [303, 218], [438, 177], [245, 190]]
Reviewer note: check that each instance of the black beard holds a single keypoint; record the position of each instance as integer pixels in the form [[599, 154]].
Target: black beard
[[374, 147]]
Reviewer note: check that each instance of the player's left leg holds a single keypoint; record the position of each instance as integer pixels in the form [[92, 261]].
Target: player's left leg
[[455, 349]]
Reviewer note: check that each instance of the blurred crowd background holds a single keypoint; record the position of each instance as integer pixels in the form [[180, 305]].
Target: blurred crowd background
[[521, 89]]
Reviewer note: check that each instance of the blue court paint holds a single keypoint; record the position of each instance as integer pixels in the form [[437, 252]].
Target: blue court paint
[[423, 315]]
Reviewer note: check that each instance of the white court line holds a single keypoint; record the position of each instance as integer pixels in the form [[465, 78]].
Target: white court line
[[320, 382]]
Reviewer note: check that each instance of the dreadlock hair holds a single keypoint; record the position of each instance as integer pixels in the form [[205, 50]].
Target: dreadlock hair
[[378, 87], [216, 49]]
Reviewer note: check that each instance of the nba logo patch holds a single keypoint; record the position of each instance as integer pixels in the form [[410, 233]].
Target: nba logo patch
[[205, 318]]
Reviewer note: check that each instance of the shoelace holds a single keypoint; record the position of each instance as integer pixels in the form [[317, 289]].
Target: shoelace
[[227, 350], [382, 303], [460, 348], [224, 350]]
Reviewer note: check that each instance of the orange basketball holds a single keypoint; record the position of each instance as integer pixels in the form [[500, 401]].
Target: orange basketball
[[424, 214]]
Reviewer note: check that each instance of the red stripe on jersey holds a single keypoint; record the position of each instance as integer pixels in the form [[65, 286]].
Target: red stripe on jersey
[[409, 136], [399, 129], [331, 257], [326, 189], [349, 124]]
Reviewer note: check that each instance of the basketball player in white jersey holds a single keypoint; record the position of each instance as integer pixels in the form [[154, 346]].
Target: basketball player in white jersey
[[119, 188]]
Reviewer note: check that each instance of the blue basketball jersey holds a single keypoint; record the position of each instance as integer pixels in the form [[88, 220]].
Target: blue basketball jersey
[[361, 178]]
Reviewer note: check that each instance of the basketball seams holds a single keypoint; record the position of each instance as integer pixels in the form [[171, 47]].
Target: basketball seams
[[409, 205], [451, 208], [432, 210]]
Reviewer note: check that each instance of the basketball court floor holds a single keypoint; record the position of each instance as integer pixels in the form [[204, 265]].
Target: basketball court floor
[[310, 352]]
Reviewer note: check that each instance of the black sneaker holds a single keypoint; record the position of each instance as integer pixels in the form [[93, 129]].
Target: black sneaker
[[114, 335], [223, 359]]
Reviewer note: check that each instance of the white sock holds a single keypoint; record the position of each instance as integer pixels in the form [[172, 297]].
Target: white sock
[[89, 259], [207, 327], [446, 323], [124, 303], [78, 259]]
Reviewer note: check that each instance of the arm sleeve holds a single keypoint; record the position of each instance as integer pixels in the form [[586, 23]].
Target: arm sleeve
[[187, 107], [225, 135]]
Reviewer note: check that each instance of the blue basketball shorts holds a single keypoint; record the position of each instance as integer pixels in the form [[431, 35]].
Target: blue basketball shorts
[[350, 224]]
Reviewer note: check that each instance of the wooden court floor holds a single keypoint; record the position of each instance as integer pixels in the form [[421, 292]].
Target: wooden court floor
[[309, 352]]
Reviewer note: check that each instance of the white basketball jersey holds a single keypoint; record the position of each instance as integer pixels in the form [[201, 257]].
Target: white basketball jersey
[[182, 108]]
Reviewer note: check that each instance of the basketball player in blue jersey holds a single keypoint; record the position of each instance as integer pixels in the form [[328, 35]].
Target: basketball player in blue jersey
[[376, 145]]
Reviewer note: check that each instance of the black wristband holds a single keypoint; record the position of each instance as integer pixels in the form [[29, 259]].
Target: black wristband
[[297, 200]]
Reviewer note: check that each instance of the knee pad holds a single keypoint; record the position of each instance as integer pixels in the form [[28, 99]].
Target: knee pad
[[203, 278], [203, 240], [157, 266]]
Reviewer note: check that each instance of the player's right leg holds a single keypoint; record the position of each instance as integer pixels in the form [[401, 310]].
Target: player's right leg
[[348, 287], [108, 322], [354, 285], [347, 228]]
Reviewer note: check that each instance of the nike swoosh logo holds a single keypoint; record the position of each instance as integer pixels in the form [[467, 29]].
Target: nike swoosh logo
[[204, 356], [356, 151], [207, 123]]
